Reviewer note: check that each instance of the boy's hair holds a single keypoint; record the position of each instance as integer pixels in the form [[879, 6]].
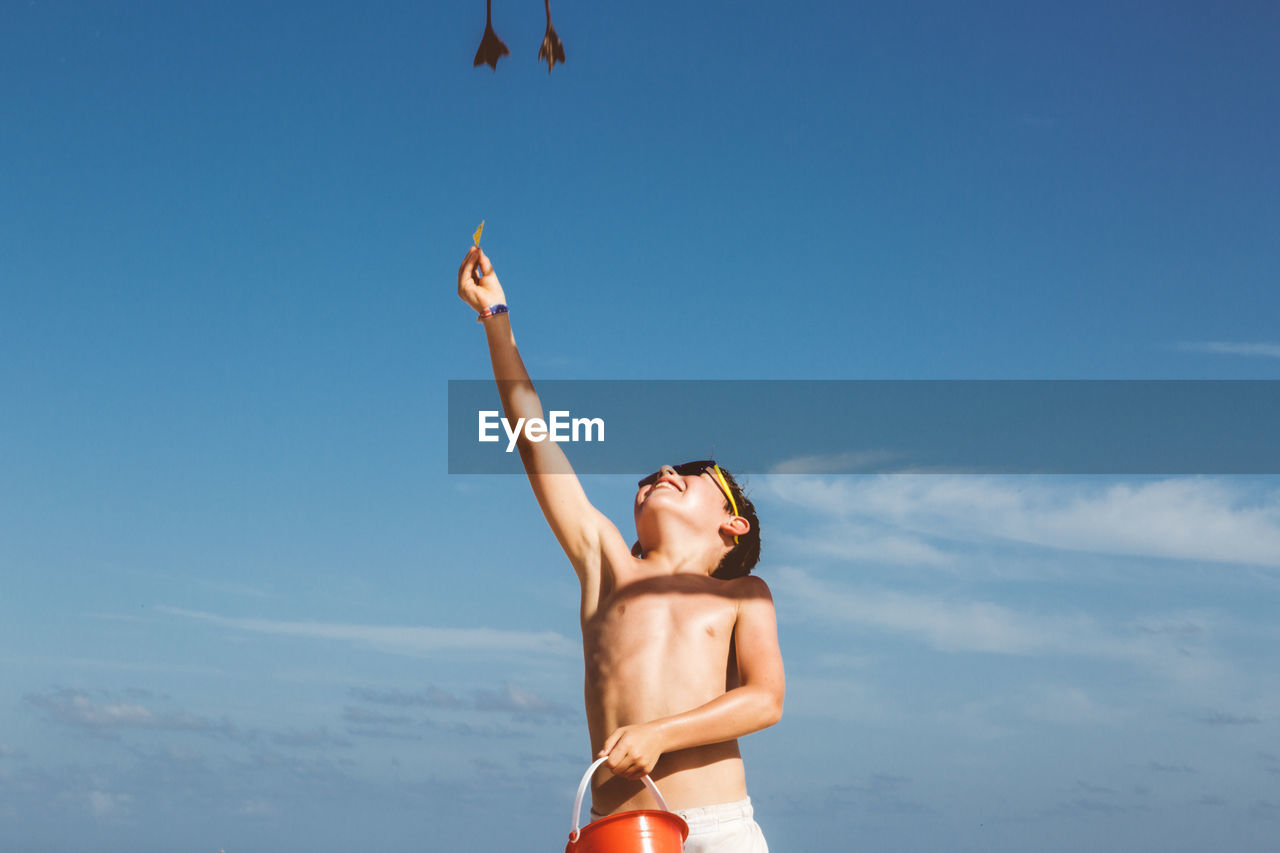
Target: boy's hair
[[746, 553], [744, 556]]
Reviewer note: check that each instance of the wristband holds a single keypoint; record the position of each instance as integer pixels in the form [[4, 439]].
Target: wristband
[[500, 308]]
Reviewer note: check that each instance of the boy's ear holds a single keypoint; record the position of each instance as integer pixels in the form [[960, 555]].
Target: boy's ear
[[736, 526], [635, 549]]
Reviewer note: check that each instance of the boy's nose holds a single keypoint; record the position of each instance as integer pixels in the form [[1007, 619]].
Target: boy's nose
[[668, 471]]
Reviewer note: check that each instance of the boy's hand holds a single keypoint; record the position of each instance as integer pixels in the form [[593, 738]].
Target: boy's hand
[[633, 751], [477, 282]]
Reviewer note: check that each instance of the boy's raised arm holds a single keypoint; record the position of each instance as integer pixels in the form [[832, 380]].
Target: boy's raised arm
[[576, 523]]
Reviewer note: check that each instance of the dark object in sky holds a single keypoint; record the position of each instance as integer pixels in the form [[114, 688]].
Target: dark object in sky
[[491, 47], [552, 51]]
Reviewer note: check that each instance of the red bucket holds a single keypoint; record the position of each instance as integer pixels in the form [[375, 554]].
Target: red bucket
[[642, 831]]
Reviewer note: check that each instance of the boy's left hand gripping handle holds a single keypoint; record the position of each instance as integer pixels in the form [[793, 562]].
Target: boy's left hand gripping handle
[[582, 793]]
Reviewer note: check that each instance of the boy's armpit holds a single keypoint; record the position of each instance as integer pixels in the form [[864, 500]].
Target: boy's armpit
[[581, 529], [611, 556]]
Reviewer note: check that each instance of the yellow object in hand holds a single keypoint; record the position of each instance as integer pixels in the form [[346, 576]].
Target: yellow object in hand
[[475, 238]]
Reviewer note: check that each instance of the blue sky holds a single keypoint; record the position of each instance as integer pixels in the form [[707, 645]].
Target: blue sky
[[244, 606]]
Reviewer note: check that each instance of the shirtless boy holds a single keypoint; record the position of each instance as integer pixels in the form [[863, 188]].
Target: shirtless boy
[[680, 643]]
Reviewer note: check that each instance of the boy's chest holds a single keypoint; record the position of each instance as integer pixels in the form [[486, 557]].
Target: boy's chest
[[663, 617]]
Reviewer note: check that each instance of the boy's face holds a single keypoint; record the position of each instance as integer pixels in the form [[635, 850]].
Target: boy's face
[[696, 496]]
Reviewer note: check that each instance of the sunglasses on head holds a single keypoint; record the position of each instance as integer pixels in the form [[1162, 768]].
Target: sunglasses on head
[[708, 465]]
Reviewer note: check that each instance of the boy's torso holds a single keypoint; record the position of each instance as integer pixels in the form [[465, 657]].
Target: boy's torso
[[656, 646]]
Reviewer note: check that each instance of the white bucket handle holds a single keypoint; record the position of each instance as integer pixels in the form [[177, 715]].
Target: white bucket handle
[[582, 792]]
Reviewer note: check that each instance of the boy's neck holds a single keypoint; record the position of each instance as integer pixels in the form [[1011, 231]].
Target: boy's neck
[[689, 557]]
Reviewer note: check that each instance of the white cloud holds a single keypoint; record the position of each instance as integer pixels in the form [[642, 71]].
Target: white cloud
[[953, 626], [851, 462], [76, 708], [1266, 350], [1200, 519], [985, 627], [509, 697], [1070, 705], [103, 804], [995, 717], [316, 738], [257, 808], [863, 542], [406, 640], [516, 700]]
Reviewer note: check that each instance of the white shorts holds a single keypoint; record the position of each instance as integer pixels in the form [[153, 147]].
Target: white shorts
[[726, 828]]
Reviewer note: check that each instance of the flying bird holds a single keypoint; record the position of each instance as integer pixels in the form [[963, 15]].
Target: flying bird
[[552, 51], [491, 47]]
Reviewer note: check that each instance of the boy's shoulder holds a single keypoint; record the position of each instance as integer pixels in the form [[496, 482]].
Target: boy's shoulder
[[748, 587]]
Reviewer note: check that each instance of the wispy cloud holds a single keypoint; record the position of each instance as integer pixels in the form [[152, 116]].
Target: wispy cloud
[[953, 626], [106, 804], [509, 698], [1265, 350], [879, 793], [1161, 767], [431, 697], [405, 640], [854, 462], [851, 540], [357, 716], [1182, 518], [1264, 810], [1088, 808], [257, 808], [318, 738], [516, 700], [998, 715], [985, 627], [1222, 718], [77, 708]]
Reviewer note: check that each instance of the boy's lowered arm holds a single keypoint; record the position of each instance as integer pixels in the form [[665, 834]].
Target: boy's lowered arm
[[579, 527]]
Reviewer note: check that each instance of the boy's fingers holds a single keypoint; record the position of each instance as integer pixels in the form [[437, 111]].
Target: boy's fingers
[[464, 271]]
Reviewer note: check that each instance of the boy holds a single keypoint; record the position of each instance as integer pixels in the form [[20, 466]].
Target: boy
[[680, 643]]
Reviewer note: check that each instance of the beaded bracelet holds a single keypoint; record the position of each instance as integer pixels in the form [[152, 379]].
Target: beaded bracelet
[[500, 308]]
